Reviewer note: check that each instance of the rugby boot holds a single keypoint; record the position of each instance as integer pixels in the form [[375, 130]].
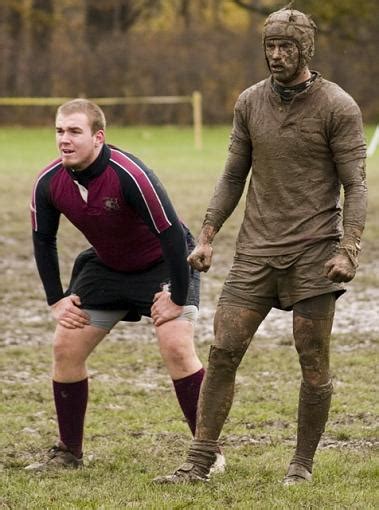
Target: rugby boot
[[57, 457], [186, 473], [297, 474], [201, 457]]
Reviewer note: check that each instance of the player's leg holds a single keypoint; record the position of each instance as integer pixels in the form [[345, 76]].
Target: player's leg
[[234, 329], [176, 345], [71, 349], [312, 325], [247, 296]]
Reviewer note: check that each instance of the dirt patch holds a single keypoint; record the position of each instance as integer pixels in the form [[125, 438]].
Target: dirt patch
[[25, 318], [325, 443]]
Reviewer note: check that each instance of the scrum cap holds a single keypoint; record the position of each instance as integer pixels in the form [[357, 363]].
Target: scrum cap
[[293, 25]]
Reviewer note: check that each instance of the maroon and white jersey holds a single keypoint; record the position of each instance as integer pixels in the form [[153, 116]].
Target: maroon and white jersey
[[120, 207]]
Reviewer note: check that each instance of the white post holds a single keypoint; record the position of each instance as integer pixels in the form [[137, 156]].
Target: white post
[[197, 119], [373, 143]]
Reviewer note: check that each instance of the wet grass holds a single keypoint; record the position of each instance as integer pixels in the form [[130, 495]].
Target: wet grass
[[134, 429]]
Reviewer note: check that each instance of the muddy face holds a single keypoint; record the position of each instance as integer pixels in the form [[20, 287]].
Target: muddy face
[[283, 59]]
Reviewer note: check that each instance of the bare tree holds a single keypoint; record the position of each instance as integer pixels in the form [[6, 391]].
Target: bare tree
[[67, 50], [119, 15]]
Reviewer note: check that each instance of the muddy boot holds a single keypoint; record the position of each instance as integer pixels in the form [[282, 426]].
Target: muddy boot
[[58, 457], [197, 468], [314, 404], [297, 474]]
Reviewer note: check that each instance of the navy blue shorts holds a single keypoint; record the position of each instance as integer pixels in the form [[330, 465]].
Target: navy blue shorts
[[102, 288]]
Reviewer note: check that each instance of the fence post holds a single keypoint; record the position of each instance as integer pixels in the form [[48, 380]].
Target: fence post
[[197, 119], [373, 143]]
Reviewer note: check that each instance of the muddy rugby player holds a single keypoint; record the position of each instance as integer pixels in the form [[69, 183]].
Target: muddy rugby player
[[301, 137]]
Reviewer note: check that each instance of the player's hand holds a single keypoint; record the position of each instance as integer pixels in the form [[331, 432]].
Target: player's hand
[[339, 268], [163, 309], [201, 257], [67, 313]]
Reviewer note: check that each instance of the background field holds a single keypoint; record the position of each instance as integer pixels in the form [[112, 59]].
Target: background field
[[134, 429]]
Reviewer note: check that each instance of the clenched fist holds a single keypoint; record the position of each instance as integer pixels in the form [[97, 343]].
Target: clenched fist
[[201, 257], [340, 268]]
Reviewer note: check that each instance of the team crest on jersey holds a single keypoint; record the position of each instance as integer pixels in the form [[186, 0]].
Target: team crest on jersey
[[111, 204]]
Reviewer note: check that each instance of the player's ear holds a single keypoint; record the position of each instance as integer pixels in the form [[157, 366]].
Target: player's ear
[[100, 136]]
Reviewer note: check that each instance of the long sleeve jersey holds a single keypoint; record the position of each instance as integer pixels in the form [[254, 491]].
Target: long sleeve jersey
[[120, 207], [299, 154]]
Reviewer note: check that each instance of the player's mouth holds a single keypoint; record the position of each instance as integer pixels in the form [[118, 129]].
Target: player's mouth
[[67, 152], [277, 68]]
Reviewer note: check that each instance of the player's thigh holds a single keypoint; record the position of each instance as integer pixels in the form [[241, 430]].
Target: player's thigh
[[313, 321], [176, 338], [78, 343], [235, 326], [250, 284]]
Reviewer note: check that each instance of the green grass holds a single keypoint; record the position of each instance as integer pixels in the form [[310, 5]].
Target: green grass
[[134, 429]]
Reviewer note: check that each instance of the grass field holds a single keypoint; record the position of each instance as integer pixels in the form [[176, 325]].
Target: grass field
[[134, 429]]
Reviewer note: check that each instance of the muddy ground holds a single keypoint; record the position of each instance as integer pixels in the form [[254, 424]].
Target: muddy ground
[[25, 319]]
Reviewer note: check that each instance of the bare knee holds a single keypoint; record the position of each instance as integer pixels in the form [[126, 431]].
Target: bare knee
[[179, 351], [177, 348], [65, 351], [71, 348]]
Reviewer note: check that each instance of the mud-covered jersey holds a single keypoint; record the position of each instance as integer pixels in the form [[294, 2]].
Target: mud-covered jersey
[[121, 208], [298, 154]]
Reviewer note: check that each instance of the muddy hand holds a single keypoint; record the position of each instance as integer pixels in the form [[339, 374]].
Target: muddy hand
[[201, 257], [164, 309], [67, 313], [339, 269]]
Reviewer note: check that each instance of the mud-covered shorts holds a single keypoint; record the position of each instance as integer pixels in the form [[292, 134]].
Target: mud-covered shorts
[[260, 283]]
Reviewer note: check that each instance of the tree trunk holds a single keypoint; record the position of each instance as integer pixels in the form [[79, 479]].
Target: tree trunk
[[68, 49]]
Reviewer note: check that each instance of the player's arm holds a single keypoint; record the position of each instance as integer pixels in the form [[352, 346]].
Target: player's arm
[[229, 188], [349, 151], [146, 195], [45, 222], [169, 304]]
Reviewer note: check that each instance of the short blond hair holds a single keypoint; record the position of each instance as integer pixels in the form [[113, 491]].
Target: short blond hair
[[93, 112]]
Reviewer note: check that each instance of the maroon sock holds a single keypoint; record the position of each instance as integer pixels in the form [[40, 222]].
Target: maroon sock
[[71, 403], [187, 391]]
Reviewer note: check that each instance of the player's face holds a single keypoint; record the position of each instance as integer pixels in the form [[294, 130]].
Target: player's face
[[283, 60], [77, 145]]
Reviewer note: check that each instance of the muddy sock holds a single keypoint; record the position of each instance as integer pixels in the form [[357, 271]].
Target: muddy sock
[[71, 404], [314, 404], [217, 392], [187, 391], [202, 454]]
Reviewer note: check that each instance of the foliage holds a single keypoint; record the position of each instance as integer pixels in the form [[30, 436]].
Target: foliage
[[170, 47]]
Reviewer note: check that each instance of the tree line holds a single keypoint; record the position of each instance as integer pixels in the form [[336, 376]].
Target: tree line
[[171, 47]]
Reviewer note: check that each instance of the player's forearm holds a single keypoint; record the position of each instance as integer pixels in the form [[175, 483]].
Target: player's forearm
[[352, 176], [175, 254], [228, 191], [207, 234], [46, 257]]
